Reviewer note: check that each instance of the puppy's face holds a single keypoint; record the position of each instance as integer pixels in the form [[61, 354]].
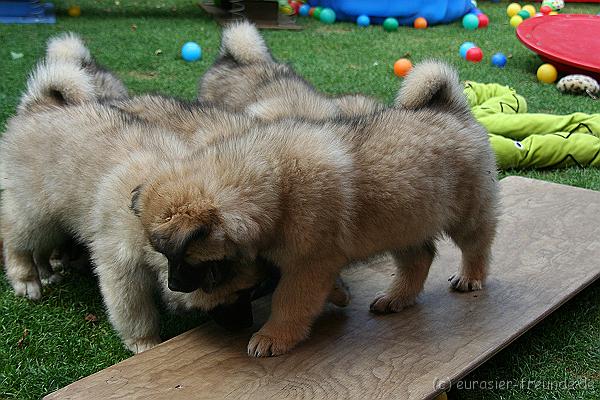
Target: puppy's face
[[205, 267]]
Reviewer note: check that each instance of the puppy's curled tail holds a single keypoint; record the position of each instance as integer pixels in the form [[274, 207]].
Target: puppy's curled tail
[[433, 84], [68, 47], [56, 83], [242, 42]]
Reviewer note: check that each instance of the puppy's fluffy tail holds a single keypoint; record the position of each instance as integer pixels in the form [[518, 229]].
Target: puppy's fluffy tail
[[242, 42], [68, 47], [56, 83], [433, 84]]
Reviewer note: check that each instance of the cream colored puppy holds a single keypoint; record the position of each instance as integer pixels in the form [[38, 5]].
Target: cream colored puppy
[[312, 197], [245, 77], [71, 167]]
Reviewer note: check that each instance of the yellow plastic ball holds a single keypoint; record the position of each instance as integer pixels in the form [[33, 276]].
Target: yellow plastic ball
[[553, 13], [530, 9], [513, 9], [516, 21], [547, 73], [74, 11]]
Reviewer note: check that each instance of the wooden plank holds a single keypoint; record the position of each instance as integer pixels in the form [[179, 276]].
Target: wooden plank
[[547, 250]]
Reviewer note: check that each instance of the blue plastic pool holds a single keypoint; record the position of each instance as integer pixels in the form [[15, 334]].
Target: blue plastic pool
[[406, 11]]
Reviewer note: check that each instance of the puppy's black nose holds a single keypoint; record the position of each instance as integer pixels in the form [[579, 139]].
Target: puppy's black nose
[[182, 278], [206, 276]]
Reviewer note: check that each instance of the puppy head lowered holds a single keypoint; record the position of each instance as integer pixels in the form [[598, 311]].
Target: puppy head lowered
[[183, 222]]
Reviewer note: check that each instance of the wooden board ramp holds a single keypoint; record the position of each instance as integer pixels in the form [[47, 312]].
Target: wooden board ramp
[[546, 251]]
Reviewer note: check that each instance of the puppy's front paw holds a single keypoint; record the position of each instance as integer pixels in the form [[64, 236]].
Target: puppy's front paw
[[464, 284], [30, 289], [142, 344], [268, 345], [340, 294], [385, 304]]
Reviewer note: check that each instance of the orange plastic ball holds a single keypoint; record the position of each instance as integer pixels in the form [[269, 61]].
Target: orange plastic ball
[[402, 67], [311, 11], [420, 23]]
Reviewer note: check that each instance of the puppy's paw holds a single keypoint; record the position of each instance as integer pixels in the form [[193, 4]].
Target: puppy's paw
[[52, 279], [30, 289], [340, 295], [262, 345], [142, 344], [464, 284], [385, 304]]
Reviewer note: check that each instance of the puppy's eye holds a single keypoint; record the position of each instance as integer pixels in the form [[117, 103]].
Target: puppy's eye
[[167, 219]]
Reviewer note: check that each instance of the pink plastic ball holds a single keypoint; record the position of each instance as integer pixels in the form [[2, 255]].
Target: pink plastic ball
[[484, 20]]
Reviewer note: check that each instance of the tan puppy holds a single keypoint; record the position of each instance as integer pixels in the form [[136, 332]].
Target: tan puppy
[[70, 167], [313, 197], [245, 77], [56, 91]]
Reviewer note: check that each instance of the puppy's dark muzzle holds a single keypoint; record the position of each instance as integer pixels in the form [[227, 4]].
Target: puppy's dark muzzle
[[238, 316], [207, 276]]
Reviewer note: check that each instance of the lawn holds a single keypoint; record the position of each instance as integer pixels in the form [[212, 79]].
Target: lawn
[[66, 335]]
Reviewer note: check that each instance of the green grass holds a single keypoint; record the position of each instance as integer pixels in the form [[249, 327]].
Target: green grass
[[61, 346]]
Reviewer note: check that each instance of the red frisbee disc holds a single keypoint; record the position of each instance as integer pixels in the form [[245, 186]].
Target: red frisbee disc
[[570, 42]]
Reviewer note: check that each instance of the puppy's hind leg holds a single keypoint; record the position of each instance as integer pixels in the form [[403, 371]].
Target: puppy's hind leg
[[21, 271], [476, 253], [412, 268]]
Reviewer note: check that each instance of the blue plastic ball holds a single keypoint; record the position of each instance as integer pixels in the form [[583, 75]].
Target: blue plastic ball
[[470, 22], [363, 20], [499, 60], [466, 46], [476, 11], [191, 51], [327, 16], [303, 10]]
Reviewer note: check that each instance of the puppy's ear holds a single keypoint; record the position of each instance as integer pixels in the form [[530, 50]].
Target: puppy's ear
[[244, 231], [135, 200]]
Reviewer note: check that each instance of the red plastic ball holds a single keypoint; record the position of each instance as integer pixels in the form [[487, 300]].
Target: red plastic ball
[[295, 6], [484, 20], [474, 55], [546, 10], [311, 11]]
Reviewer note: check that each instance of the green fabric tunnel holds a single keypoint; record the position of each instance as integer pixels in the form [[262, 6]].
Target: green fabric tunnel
[[522, 140]]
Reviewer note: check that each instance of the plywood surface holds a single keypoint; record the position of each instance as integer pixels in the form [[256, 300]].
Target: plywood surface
[[547, 250]]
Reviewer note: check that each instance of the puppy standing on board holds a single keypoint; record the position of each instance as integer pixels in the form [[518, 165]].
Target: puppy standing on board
[[62, 99], [313, 197]]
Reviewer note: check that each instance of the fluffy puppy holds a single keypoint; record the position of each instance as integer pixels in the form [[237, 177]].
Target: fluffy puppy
[[67, 54], [313, 197], [75, 171], [245, 77]]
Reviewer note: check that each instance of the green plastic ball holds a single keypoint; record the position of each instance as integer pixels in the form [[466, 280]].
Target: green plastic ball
[[327, 16], [524, 14], [470, 22], [317, 13], [390, 24]]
